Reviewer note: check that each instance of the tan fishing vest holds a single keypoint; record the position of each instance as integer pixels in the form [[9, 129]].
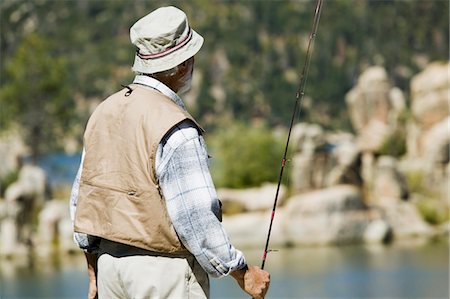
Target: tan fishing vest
[[119, 197]]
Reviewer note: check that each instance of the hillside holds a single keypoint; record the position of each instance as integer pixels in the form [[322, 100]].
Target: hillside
[[59, 58]]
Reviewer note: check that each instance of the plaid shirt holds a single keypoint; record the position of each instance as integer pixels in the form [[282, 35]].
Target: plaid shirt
[[191, 199]]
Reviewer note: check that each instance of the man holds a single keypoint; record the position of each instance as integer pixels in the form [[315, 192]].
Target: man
[[143, 204]]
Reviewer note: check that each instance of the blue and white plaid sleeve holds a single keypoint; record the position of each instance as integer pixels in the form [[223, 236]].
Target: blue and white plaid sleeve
[[192, 203], [84, 241]]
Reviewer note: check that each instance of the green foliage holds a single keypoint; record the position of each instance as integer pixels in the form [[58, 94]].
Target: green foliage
[[84, 47], [7, 180], [431, 206], [394, 145], [415, 181], [35, 93], [244, 156], [433, 211]]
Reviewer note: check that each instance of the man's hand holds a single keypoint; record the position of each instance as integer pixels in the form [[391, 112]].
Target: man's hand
[[92, 273], [253, 281]]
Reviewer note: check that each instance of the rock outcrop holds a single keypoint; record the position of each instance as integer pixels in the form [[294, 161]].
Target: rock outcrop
[[309, 158], [389, 183], [23, 199], [374, 106], [12, 148], [335, 215], [323, 159], [430, 91], [250, 199], [55, 226], [428, 135], [344, 187]]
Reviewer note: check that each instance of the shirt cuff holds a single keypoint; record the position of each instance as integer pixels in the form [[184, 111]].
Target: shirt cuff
[[87, 242]]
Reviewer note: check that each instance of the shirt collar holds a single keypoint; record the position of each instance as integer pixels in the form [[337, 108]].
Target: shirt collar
[[159, 86]]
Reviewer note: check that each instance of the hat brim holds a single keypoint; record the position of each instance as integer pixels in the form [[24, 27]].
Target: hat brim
[[171, 60]]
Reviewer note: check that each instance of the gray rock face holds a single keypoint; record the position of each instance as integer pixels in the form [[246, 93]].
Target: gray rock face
[[430, 97], [12, 148], [250, 199], [430, 91], [374, 106], [55, 224], [346, 168], [405, 220], [436, 160], [334, 215], [428, 134], [323, 160], [9, 244], [369, 99], [436, 144], [389, 182], [250, 229], [23, 199], [309, 159], [31, 183]]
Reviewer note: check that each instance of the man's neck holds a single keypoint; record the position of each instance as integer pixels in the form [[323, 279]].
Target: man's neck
[[160, 86]]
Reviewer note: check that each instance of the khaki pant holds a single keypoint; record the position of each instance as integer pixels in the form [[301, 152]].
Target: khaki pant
[[142, 276]]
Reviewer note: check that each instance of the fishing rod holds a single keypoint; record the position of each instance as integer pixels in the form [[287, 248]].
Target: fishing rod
[[298, 99]]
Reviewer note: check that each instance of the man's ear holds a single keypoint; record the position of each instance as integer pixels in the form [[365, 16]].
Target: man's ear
[[185, 63]]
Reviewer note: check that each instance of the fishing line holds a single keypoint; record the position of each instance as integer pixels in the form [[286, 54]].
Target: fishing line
[[297, 109]]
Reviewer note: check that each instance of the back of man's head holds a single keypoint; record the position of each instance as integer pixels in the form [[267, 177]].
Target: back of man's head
[[163, 40]]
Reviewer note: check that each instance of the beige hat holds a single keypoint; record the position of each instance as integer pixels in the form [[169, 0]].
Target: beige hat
[[164, 40]]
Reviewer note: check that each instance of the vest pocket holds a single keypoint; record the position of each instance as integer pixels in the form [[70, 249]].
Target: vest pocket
[[133, 217], [129, 192]]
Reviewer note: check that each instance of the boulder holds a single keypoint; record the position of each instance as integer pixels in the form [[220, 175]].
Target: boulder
[[428, 133], [329, 200], [405, 220], [23, 199], [436, 144], [334, 215], [430, 91], [55, 226], [250, 229], [374, 106], [12, 148], [369, 99], [389, 183], [31, 183], [435, 160], [377, 231], [9, 244], [309, 161], [373, 135], [323, 159], [305, 136], [346, 161], [251, 199]]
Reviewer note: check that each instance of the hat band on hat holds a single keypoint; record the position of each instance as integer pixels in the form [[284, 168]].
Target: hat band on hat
[[183, 42]]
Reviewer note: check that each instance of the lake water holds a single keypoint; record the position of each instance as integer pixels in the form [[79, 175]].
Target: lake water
[[397, 271]]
